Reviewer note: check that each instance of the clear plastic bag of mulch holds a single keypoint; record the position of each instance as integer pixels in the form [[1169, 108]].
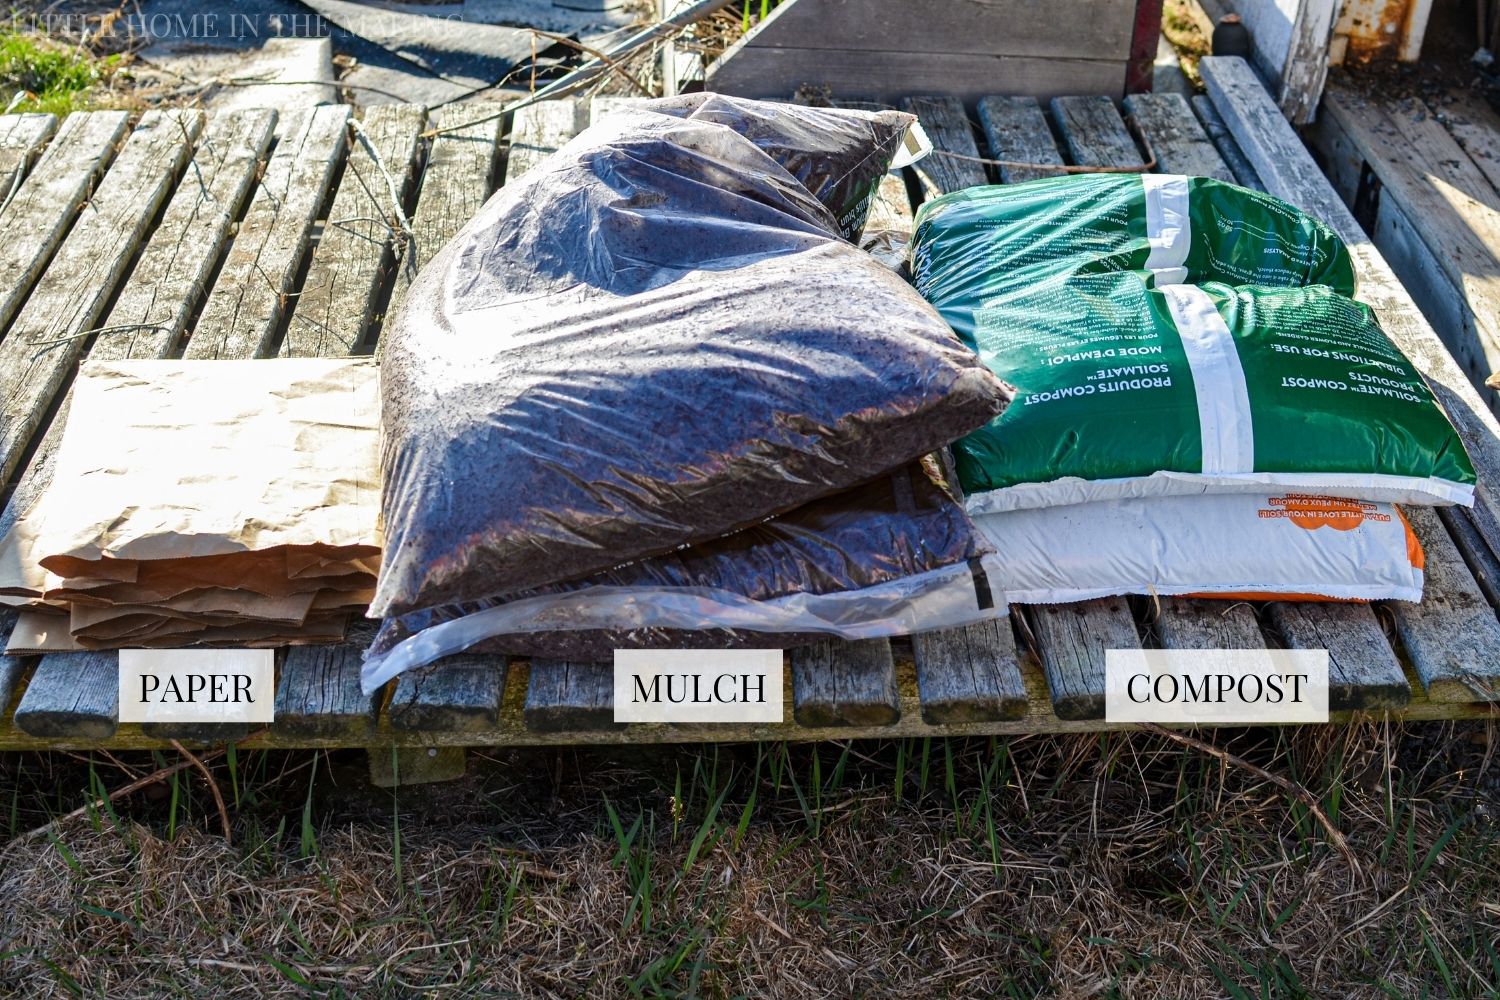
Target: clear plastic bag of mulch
[[893, 556], [658, 336]]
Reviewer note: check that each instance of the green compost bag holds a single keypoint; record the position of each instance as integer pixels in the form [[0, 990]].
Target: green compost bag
[[1125, 380], [1184, 229]]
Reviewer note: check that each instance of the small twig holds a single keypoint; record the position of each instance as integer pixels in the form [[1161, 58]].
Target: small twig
[[612, 65], [101, 330], [392, 188], [213, 786], [1307, 798]]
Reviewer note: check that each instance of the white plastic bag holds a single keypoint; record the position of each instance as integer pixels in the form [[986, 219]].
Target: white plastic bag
[[947, 597], [1252, 547]]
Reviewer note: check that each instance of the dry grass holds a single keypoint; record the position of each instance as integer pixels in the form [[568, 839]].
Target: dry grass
[[1190, 31], [1068, 867]]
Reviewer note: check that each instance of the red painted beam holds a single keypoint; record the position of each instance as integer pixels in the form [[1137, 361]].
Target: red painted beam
[[1143, 46]]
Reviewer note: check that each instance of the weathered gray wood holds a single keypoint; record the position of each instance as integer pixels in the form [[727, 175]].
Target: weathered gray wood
[[969, 674], [841, 683], [44, 343], [72, 696], [1095, 29], [540, 130], [1016, 130], [37, 217], [457, 694], [1363, 672], [1288, 172], [561, 695], [1452, 637], [1094, 132], [21, 139], [171, 276], [1071, 640], [318, 693], [12, 668], [1179, 142], [252, 293], [1223, 140], [888, 76], [1192, 623], [456, 181], [354, 257], [1452, 253], [1476, 126], [152, 310], [947, 125]]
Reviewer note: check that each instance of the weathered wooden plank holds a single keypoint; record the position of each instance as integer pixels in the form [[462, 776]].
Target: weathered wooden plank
[[969, 674], [72, 696], [1191, 623], [1179, 142], [1097, 29], [891, 75], [12, 668], [841, 683], [1094, 132], [318, 693], [35, 220], [355, 257], [1476, 127], [1223, 140], [541, 130], [512, 730], [457, 694], [1363, 672], [1452, 637], [1455, 246], [1288, 172], [21, 139], [569, 696], [170, 278], [151, 313], [945, 169], [252, 293], [456, 181], [1071, 640], [44, 343], [1016, 130]]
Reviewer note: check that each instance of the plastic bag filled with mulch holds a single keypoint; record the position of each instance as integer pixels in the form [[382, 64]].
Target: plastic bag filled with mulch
[[893, 556], [654, 338]]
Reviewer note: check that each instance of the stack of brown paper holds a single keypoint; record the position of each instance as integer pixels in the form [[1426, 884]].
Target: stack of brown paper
[[203, 503]]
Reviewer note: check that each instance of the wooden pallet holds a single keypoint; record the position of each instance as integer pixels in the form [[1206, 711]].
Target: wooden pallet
[[238, 235]]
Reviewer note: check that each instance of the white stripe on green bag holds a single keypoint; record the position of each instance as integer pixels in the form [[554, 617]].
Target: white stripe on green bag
[[1218, 380], [1169, 227]]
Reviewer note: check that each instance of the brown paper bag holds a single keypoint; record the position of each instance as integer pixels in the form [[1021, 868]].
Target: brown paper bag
[[172, 460]]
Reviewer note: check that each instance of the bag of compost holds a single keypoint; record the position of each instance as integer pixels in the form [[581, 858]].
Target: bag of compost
[[1122, 384], [1184, 229], [654, 338], [1236, 546], [895, 555]]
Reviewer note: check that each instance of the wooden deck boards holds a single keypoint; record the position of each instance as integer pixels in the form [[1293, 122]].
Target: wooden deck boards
[[1040, 671]]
